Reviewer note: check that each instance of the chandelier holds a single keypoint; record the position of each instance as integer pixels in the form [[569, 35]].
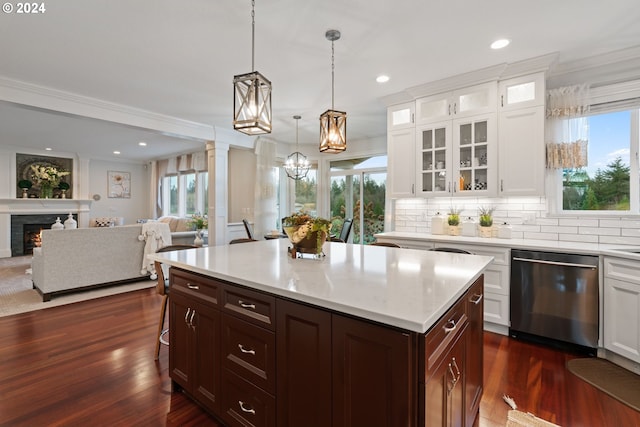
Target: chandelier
[[252, 95], [296, 166], [333, 124]]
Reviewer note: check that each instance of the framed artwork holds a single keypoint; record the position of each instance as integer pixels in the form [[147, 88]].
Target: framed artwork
[[119, 184]]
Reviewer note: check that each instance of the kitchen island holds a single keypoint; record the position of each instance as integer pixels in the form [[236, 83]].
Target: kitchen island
[[364, 336]]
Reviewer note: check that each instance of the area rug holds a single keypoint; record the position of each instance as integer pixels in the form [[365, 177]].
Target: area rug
[[517, 418], [18, 296], [617, 382]]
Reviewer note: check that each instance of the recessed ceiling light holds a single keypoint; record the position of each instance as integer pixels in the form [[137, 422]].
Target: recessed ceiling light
[[116, 152], [382, 79], [499, 44], [142, 144], [48, 148]]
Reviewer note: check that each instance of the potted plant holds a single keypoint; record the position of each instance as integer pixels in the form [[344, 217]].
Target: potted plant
[[453, 219], [306, 232], [63, 187], [25, 185], [486, 221]]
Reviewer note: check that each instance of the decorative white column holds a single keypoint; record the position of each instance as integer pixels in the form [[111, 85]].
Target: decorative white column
[[218, 168]]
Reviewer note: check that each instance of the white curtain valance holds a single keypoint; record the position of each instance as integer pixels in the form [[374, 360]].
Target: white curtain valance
[[567, 128], [172, 166], [199, 162]]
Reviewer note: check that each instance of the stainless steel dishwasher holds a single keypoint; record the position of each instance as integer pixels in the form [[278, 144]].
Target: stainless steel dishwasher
[[554, 297]]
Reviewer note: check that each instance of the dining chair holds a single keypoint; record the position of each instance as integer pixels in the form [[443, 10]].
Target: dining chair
[[452, 250], [248, 229], [344, 233], [241, 240], [387, 244], [162, 288]]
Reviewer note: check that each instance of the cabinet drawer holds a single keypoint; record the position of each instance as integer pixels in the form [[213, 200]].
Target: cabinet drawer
[[444, 332], [252, 306], [203, 288], [244, 404], [496, 279], [249, 351], [622, 269]]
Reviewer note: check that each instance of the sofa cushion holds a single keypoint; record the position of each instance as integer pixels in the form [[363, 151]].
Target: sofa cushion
[[103, 222], [183, 224]]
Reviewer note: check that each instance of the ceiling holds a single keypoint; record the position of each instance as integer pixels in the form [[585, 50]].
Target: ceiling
[[178, 58]]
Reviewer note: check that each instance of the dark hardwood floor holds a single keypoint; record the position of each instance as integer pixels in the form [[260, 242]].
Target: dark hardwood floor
[[91, 364]]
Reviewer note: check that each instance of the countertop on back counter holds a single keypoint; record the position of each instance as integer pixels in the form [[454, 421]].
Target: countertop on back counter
[[619, 250]]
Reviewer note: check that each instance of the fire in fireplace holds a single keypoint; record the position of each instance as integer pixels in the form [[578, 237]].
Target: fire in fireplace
[[25, 228]]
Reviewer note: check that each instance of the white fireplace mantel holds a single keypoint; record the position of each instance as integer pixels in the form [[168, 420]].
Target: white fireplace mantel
[[18, 206]]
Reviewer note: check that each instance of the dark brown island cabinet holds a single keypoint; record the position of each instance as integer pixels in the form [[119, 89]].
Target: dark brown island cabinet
[[254, 359]]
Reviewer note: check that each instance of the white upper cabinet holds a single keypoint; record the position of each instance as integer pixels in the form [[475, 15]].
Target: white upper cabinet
[[521, 136], [465, 102], [401, 116], [400, 173], [522, 92]]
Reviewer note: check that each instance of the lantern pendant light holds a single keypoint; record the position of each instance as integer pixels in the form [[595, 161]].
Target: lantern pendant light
[[333, 124], [252, 96], [297, 165]]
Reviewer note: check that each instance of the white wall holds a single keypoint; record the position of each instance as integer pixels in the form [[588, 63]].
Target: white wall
[[131, 209]]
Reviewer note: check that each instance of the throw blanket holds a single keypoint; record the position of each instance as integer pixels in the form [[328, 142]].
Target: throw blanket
[[156, 235]]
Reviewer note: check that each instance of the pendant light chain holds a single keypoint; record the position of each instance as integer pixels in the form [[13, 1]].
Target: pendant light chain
[[253, 34], [333, 67]]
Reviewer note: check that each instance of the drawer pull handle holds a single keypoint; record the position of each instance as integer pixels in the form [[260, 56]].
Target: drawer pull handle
[[248, 410], [477, 299], [193, 313], [455, 365], [452, 383], [451, 328], [190, 286], [246, 304], [244, 350]]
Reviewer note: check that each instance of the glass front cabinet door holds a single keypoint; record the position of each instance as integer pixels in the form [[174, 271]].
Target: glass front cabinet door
[[434, 159], [457, 158], [475, 156]]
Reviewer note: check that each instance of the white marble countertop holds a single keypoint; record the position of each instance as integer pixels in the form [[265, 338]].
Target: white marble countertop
[[623, 251], [406, 288]]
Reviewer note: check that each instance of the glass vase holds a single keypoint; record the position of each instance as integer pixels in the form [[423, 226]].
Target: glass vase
[[46, 191]]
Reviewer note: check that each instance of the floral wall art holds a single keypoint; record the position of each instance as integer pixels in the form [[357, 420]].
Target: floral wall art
[[43, 176], [119, 184]]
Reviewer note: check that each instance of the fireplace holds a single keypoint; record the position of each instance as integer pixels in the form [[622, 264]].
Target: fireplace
[[25, 230]]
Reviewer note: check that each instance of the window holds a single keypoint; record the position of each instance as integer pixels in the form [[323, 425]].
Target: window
[[609, 181], [306, 193], [185, 194]]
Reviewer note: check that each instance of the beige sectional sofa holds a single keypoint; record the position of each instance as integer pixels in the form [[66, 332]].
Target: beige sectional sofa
[[182, 232], [71, 260]]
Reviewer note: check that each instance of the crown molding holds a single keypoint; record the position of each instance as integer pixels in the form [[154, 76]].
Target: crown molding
[[45, 98]]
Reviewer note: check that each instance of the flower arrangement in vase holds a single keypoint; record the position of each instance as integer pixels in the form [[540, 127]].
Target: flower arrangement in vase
[[199, 223], [453, 219], [47, 177], [486, 221], [306, 232]]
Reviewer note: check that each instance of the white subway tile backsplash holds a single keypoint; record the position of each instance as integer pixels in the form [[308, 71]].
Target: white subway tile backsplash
[[556, 229], [599, 231], [620, 240], [578, 222], [414, 215], [540, 236], [578, 238]]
